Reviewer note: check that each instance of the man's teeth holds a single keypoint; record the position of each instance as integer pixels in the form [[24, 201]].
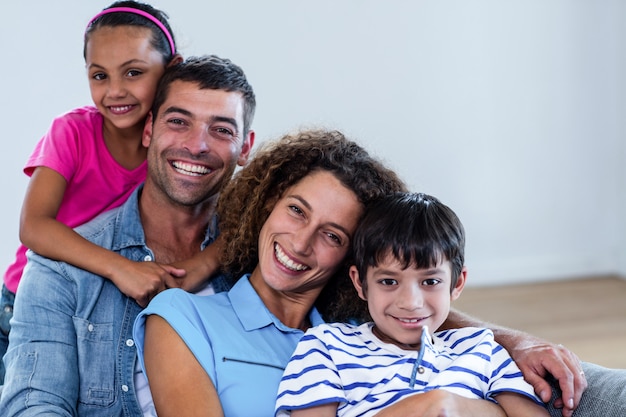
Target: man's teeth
[[190, 169], [286, 261]]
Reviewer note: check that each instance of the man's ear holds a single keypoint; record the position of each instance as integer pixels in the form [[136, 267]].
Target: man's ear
[[460, 283], [354, 276], [246, 148], [177, 59], [146, 137]]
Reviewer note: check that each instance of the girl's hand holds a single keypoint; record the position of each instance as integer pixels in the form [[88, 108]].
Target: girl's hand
[[143, 280], [199, 269]]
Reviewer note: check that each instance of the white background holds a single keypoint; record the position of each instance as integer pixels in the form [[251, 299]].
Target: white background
[[511, 112]]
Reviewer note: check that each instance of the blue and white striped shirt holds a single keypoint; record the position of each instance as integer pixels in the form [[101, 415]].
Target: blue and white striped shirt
[[346, 364]]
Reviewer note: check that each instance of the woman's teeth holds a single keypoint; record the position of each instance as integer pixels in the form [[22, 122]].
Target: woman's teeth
[[286, 261]]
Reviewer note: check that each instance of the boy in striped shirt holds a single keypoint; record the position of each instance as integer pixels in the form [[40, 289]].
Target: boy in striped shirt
[[408, 265]]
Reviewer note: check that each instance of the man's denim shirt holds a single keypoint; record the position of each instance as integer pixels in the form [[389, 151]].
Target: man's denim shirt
[[71, 350]]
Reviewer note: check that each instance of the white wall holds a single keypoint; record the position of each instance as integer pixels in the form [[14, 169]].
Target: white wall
[[510, 112]]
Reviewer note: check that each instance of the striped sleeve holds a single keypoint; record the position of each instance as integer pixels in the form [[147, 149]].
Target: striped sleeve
[[477, 353], [507, 377], [311, 377]]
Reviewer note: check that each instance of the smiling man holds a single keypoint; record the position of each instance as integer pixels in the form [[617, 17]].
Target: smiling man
[[71, 350]]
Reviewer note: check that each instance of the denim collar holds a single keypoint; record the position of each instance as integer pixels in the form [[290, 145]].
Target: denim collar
[[129, 229]]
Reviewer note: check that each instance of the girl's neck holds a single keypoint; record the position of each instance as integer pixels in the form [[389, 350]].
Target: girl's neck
[[125, 145]]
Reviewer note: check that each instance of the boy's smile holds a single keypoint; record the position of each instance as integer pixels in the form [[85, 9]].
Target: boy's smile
[[402, 300]]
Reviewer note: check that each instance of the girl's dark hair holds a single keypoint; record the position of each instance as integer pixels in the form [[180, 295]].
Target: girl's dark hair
[[249, 198], [160, 42]]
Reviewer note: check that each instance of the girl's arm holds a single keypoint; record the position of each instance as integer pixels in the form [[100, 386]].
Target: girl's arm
[[438, 403], [201, 268], [41, 232], [178, 383]]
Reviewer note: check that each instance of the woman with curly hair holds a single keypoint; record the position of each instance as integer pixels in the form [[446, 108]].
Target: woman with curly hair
[[287, 221]]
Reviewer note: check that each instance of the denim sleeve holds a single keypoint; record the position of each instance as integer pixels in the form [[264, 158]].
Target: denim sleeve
[[42, 365]]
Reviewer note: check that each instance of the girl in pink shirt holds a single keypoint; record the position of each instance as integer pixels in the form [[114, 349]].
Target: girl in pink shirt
[[92, 158]]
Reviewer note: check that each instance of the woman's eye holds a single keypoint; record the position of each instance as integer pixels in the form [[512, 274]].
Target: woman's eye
[[296, 210], [334, 238]]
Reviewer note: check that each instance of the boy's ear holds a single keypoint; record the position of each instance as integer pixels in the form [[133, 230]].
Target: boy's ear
[[460, 283], [354, 276]]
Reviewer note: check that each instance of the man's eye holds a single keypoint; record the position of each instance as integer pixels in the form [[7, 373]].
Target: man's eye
[[223, 132], [176, 121]]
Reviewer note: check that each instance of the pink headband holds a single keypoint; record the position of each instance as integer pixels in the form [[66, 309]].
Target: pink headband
[[140, 13]]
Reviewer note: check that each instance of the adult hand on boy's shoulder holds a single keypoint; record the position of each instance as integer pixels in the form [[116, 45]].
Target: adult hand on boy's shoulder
[[540, 360]]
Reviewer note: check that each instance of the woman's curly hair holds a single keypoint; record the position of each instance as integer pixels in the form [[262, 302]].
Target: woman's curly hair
[[246, 202]]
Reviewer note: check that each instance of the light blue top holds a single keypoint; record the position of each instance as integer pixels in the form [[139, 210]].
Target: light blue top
[[349, 365], [71, 350], [241, 345]]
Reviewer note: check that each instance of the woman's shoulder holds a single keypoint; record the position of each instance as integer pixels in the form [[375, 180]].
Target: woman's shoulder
[[184, 301]]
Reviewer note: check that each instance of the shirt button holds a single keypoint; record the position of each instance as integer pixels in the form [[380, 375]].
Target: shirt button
[[125, 388], [90, 327], [130, 342], [147, 258]]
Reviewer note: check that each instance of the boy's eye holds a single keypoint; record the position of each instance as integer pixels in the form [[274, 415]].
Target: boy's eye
[[431, 281], [388, 281]]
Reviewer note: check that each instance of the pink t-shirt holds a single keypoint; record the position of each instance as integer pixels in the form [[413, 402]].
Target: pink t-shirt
[[74, 147]]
